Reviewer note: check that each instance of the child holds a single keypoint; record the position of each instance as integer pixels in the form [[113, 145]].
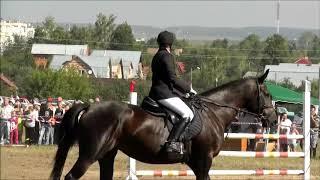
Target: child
[[293, 142], [14, 128]]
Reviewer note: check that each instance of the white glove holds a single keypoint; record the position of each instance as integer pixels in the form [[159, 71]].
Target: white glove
[[192, 91]]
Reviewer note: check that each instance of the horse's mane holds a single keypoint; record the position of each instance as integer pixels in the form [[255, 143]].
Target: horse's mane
[[227, 85]]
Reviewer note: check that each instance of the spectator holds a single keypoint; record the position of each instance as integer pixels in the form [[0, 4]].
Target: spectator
[[45, 130], [14, 128], [58, 117], [30, 124], [12, 102], [285, 125], [6, 116], [2, 125], [293, 142], [314, 131], [20, 113], [97, 100], [91, 101], [66, 107]]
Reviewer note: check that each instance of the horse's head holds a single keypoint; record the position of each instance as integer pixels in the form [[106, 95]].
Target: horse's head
[[261, 102]]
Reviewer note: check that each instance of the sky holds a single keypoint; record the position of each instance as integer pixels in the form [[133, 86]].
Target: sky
[[237, 13]]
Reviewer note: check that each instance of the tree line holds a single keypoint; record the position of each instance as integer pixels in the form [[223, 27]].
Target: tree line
[[220, 61]]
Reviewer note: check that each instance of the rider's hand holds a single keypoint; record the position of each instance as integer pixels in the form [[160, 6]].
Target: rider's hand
[[192, 91], [187, 95]]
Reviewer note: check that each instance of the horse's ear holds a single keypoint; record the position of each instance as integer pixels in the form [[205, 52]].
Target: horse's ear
[[263, 77]]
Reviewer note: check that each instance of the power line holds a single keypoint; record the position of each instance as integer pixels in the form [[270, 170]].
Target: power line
[[29, 45], [155, 46], [212, 56]]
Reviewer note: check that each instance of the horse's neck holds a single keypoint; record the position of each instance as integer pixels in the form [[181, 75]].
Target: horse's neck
[[229, 98]]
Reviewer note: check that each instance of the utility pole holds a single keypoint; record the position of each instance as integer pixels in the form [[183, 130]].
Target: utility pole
[[278, 17], [319, 84]]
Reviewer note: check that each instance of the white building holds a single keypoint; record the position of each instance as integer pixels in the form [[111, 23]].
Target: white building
[[295, 73], [11, 28]]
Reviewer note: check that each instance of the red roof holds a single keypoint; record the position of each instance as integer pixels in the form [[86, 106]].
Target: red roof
[[303, 60], [181, 67]]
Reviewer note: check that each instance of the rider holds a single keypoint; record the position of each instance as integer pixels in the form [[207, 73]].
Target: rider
[[164, 83]]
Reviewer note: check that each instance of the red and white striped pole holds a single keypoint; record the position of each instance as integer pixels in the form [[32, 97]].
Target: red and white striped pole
[[132, 162]]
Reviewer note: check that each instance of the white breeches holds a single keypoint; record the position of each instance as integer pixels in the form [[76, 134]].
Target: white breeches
[[178, 106]]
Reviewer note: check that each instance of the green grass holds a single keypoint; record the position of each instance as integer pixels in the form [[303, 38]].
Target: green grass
[[35, 162]]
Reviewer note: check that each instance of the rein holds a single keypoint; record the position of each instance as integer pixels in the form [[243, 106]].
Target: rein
[[258, 115], [207, 100]]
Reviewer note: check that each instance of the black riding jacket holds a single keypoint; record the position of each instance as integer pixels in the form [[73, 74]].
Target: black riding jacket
[[164, 77]]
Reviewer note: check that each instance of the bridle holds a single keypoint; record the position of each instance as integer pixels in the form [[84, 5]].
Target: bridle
[[260, 115], [264, 107]]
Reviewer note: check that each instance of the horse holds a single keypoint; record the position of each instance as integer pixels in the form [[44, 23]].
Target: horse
[[101, 130]]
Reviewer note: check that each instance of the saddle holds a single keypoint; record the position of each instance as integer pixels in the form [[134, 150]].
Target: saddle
[[171, 118]]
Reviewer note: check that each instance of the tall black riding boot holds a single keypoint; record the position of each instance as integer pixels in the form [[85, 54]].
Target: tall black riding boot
[[173, 144]]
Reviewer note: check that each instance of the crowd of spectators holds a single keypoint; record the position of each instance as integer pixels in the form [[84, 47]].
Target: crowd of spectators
[[286, 125], [39, 121]]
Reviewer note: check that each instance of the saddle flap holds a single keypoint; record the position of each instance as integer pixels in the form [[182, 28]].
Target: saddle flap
[[152, 107]]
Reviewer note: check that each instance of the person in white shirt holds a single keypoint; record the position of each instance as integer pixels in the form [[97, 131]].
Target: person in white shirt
[[285, 123], [6, 116], [285, 126], [293, 142], [31, 123]]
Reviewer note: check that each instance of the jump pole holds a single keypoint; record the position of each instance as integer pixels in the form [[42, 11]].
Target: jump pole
[[132, 162], [306, 111]]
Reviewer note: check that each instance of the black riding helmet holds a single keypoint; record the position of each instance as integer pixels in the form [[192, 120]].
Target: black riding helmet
[[165, 38]]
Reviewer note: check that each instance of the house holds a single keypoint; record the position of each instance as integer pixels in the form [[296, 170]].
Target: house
[[294, 72], [99, 64], [128, 60], [92, 66], [143, 71], [127, 70], [304, 60], [95, 66], [115, 69], [11, 28], [42, 52]]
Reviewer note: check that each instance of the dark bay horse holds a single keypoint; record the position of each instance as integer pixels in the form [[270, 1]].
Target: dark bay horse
[[101, 130]]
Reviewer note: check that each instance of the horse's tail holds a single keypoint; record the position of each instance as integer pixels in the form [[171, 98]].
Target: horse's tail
[[67, 137]]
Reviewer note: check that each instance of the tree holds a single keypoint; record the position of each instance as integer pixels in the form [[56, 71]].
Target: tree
[[251, 47], [152, 42], [49, 25], [103, 29], [305, 40], [65, 83], [50, 32], [122, 38], [314, 52], [82, 35], [220, 43], [276, 50], [59, 35]]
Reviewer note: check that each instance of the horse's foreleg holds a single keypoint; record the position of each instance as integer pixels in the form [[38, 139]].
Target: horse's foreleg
[[78, 169], [106, 165], [200, 165]]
